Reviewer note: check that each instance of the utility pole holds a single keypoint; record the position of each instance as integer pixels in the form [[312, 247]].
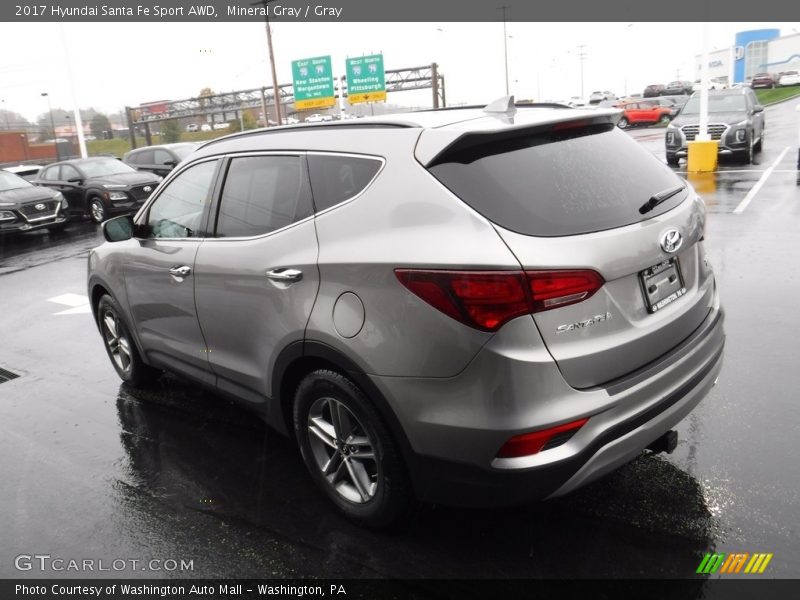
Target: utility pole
[[582, 57], [505, 41], [275, 88]]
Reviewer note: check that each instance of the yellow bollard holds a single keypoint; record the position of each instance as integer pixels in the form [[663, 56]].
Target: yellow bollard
[[702, 156]]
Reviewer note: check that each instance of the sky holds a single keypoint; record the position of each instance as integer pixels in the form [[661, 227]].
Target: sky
[[114, 65]]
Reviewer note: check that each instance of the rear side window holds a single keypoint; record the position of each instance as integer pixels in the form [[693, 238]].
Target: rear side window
[[557, 182], [335, 178], [262, 194]]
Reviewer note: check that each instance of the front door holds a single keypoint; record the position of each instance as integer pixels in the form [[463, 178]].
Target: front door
[[159, 273]]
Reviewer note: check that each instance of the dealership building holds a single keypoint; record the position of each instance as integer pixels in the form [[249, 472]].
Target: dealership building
[[754, 51]]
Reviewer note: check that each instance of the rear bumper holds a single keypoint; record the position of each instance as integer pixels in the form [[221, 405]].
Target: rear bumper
[[456, 426]]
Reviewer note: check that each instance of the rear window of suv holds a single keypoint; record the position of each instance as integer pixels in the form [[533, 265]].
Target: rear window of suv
[[557, 182]]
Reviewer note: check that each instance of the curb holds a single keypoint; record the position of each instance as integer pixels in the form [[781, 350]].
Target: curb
[[797, 95]]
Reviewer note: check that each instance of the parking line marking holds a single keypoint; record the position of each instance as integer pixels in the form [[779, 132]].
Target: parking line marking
[[754, 190], [78, 302]]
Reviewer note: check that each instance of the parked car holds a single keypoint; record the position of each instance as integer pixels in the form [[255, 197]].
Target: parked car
[[678, 101], [98, 187], [220, 126], [26, 207], [159, 159], [678, 87], [654, 90], [789, 78], [192, 127], [205, 127], [597, 97], [28, 172], [643, 113], [762, 80], [670, 104], [318, 118], [490, 350], [715, 83], [735, 118]]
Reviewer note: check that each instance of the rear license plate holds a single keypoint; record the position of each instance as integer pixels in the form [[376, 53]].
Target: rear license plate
[[662, 284]]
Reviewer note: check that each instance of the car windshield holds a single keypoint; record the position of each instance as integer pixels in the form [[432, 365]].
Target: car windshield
[[9, 181], [716, 104], [107, 166]]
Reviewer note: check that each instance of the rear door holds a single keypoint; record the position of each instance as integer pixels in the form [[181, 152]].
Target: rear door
[[570, 199], [256, 279]]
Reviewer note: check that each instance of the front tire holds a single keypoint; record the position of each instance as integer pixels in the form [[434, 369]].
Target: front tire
[[120, 347], [97, 210], [349, 451], [672, 160]]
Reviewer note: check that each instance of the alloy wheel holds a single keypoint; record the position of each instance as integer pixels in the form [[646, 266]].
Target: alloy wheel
[[119, 346], [343, 450]]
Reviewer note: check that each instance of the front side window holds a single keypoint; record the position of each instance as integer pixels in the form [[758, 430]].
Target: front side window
[[178, 211], [162, 157], [68, 172], [262, 194], [51, 174]]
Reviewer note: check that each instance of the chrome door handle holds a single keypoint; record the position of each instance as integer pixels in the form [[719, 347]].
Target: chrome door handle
[[285, 275], [178, 273]]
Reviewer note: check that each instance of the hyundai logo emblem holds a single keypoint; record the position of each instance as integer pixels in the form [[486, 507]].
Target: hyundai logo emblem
[[671, 240], [40, 206], [147, 188]]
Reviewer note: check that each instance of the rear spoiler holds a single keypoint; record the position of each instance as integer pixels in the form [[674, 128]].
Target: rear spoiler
[[434, 145]]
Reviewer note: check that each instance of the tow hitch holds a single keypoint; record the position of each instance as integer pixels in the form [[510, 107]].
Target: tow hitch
[[666, 443]]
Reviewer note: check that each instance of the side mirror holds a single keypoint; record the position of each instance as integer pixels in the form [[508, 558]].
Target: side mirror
[[170, 163], [118, 229], [75, 180], [758, 108]]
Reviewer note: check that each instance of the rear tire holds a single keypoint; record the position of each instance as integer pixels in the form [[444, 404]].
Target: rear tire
[[349, 451], [120, 347], [623, 123], [664, 119]]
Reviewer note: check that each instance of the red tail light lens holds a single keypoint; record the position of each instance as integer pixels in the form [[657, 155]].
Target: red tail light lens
[[532, 443], [481, 299], [487, 299]]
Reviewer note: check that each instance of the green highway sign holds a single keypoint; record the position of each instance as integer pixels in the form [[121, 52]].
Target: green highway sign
[[366, 80], [312, 80]]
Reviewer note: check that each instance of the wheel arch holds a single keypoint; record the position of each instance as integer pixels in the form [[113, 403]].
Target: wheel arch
[[303, 357]]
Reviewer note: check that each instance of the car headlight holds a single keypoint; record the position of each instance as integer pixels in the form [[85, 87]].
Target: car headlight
[[59, 197], [671, 138], [117, 196], [114, 186], [7, 215], [740, 135]]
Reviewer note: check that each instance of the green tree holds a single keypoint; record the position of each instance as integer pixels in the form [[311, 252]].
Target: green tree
[[249, 121], [99, 124], [171, 131]]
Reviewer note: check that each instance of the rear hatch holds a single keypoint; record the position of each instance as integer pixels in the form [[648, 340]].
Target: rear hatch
[[572, 196]]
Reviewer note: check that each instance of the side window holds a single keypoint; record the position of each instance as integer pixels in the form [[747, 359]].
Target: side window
[[145, 157], [335, 179], [162, 157], [68, 172], [178, 210], [133, 158], [262, 194], [51, 174]]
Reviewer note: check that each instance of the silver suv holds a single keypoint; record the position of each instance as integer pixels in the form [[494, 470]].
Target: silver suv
[[471, 307]]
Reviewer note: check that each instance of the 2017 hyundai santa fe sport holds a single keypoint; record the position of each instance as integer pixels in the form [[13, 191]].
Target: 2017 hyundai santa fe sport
[[473, 307]]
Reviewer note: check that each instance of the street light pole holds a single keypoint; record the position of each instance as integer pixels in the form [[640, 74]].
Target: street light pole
[[505, 42], [275, 88], [52, 122], [582, 57]]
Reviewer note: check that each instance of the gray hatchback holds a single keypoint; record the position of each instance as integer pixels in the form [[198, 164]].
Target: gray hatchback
[[471, 307]]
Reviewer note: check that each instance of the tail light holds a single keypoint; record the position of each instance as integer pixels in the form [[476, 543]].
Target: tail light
[[534, 442], [487, 299]]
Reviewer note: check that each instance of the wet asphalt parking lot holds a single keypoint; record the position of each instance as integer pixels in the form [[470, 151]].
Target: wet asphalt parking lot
[[93, 469]]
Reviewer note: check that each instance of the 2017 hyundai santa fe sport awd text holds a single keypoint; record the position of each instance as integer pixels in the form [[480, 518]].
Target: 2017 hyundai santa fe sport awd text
[[472, 307]]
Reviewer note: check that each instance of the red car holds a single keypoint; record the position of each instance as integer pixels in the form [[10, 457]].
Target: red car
[[762, 80], [643, 113]]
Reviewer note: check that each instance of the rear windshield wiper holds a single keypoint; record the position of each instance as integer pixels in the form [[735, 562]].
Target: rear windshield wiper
[[658, 198]]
